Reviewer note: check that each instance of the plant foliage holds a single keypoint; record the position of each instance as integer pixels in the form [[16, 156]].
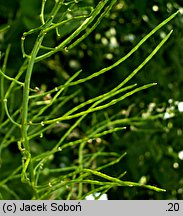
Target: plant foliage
[[55, 126]]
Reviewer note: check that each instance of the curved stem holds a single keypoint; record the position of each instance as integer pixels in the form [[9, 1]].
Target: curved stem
[[27, 159], [7, 113], [25, 104]]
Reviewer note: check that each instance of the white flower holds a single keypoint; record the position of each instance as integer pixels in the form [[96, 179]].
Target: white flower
[[180, 155], [92, 196], [180, 106]]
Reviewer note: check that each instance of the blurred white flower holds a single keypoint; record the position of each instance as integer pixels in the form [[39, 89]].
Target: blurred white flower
[[168, 115], [180, 106], [180, 155], [92, 196]]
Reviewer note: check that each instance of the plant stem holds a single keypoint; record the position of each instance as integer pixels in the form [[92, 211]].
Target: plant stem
[[2, 82], [25, 103], [27, 159]]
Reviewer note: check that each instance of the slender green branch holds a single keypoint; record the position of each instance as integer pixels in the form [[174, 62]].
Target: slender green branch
[[91, 109], [112, 182], [59, 24], [42, 11], [93, 26], [58, 148], [7, 113], [56, 96], [26, 91], [14, 81], [5, 28], [2, 80], [100, 98], [122, 183], [81, 28], [104, 70], [8, 120], [11, 79], [123, 83]]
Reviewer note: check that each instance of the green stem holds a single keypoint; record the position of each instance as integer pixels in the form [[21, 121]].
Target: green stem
[[24, 129], [2, 81], [27, 159]]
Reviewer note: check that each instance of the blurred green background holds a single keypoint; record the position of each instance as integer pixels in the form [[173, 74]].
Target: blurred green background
[[153, 148]]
